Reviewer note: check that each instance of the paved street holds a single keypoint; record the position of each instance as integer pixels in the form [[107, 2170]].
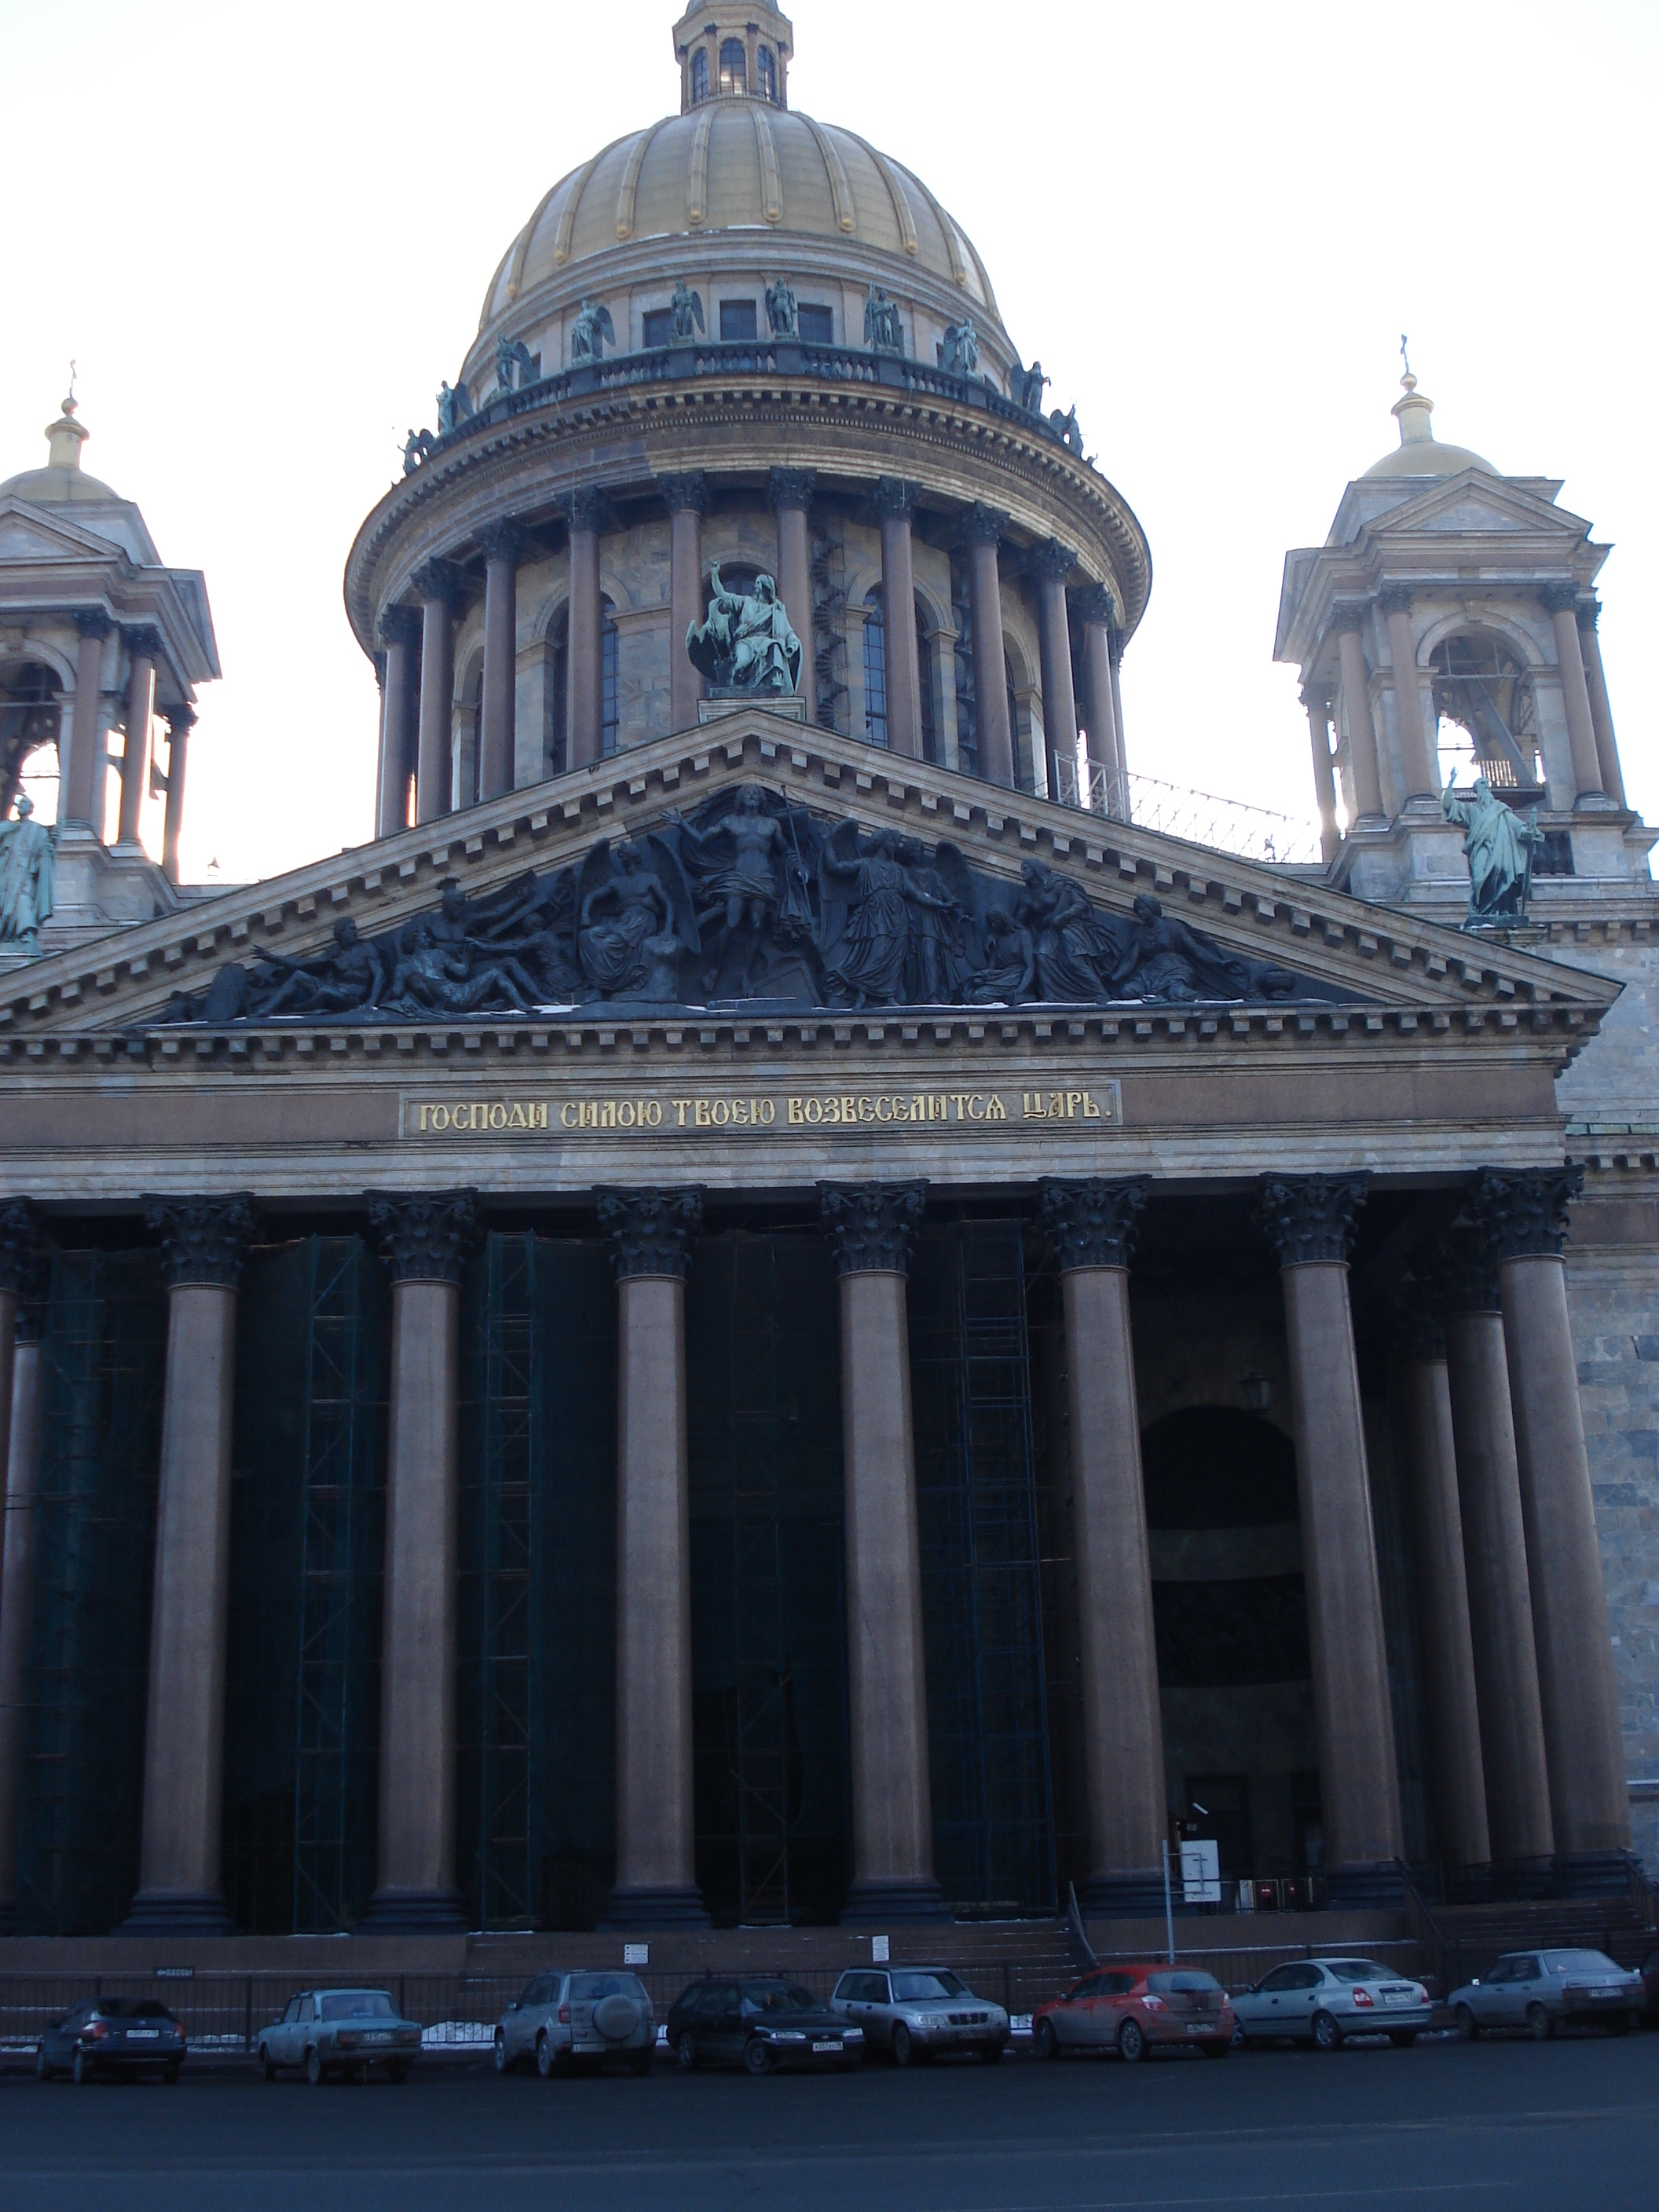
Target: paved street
[[1571, 2124]]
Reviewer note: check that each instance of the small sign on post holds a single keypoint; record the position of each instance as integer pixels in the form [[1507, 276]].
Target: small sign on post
[[637, 1954]]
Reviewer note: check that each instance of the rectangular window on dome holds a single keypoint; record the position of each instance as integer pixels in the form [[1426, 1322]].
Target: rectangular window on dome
[[817, 324], [658, 326], [736, 321]]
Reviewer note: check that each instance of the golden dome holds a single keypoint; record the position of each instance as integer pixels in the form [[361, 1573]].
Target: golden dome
[[1419, 452], [63, 479], [737, 164]]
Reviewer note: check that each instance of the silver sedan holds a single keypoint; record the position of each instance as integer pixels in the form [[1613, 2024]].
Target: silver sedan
[[918, 2012], [1540, 1990], [1325, 2001], [564, 2017]]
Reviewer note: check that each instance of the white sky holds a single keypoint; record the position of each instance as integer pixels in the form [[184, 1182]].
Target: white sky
[[264, 234]]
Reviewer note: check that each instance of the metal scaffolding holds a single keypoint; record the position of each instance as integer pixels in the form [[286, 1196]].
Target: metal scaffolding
[[768, 1634], [981, 1570], [103, 1359], [307, 1520], [539, 1589]]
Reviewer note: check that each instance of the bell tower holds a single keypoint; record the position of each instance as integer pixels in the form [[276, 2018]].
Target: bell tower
[[1446, 628], [734, 50]]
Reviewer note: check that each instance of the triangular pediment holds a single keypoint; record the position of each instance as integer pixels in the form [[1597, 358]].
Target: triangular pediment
[[1477, 504], [31, 533], [980, 883]]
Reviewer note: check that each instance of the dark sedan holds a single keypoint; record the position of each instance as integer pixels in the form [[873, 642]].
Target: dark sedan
[[760, 2023], [112, 2035]]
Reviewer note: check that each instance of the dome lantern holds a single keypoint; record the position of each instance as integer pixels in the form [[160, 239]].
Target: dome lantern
[[734, 50]]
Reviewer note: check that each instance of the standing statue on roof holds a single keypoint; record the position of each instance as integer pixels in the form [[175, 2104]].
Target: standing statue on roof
[[1499, 845], [28, 868], [782, 312]]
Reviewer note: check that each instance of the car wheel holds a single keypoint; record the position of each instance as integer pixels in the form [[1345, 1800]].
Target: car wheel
[[545, 2061], [170, 2072], [1469, 2027], [1540, 2025], [1044, 2041], [757, 2055], [267, 2063], [1327, 2035], [42, 2064], [1403, 2037], [503, 2063], [1239, 2036], [902, 2048], [685, 2049], [1132, 2042], [81, 2067], [315, 2067]]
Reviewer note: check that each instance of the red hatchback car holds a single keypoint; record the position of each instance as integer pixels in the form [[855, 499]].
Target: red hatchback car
[[1130, 2008]]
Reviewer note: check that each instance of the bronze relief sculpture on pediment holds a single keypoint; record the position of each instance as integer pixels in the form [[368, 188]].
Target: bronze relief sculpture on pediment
[[751, 901]]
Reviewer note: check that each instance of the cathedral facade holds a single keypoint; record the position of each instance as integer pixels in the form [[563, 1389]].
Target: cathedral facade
[[764, 1310]]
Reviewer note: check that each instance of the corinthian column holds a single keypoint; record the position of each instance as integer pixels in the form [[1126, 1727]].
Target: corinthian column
[[791, 492], [79, 794], [400, 630], [180, 721], [981, 530], [202, 1243], [1092, 1225], [1588, 611], [1525, 1218], [1318, 735], [1457, 1789], [584, 659], [143, 644], [1308, 1220], [1418, 776], [438, 585], [502, 548], [1494, 1552], [1561, 603], [1053, 565], [895, 505], [1100, 720], [1362, 726], [872, 1228], [651, 1233], [22, 1284], [424, 1241], [686, 498]]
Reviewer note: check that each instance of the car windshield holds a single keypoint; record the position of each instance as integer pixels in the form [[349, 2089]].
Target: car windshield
[[358, 2004], [917, 1989], [1582, 1962], [608, 1985], [1189, 1982], [1355, 1970], [774, 1997]]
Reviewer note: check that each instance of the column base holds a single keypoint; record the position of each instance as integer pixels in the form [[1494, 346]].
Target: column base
[[1366, 1886], [655, 1908], [394, 1910], [1590, 1874], [1127, 1896], [894, 1904], [177, 1913]]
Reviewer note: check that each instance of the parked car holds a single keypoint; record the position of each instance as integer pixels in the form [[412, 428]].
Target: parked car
[[760, 2022], [564, 2017], [1650, 1988], [917, 2012], [112, 2035], [1325, 2001], [1128, 2009], [1540, 1990], [342, 2032]]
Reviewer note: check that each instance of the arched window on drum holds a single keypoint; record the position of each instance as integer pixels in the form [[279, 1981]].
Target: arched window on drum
[[875, 668], [1486, 715], [766, 75], [700, 74], [609, 710], [734, 66]]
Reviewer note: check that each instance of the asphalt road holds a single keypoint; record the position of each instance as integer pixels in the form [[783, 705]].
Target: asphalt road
[[1571, 2124]]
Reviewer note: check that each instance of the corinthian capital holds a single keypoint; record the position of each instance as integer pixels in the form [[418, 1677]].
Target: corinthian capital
[[203, 1240], [651, 1232], [20, 1248], [1092, 1222], [1525, 1215], [425, 1239], [1309, 1219], [872, 1226]]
